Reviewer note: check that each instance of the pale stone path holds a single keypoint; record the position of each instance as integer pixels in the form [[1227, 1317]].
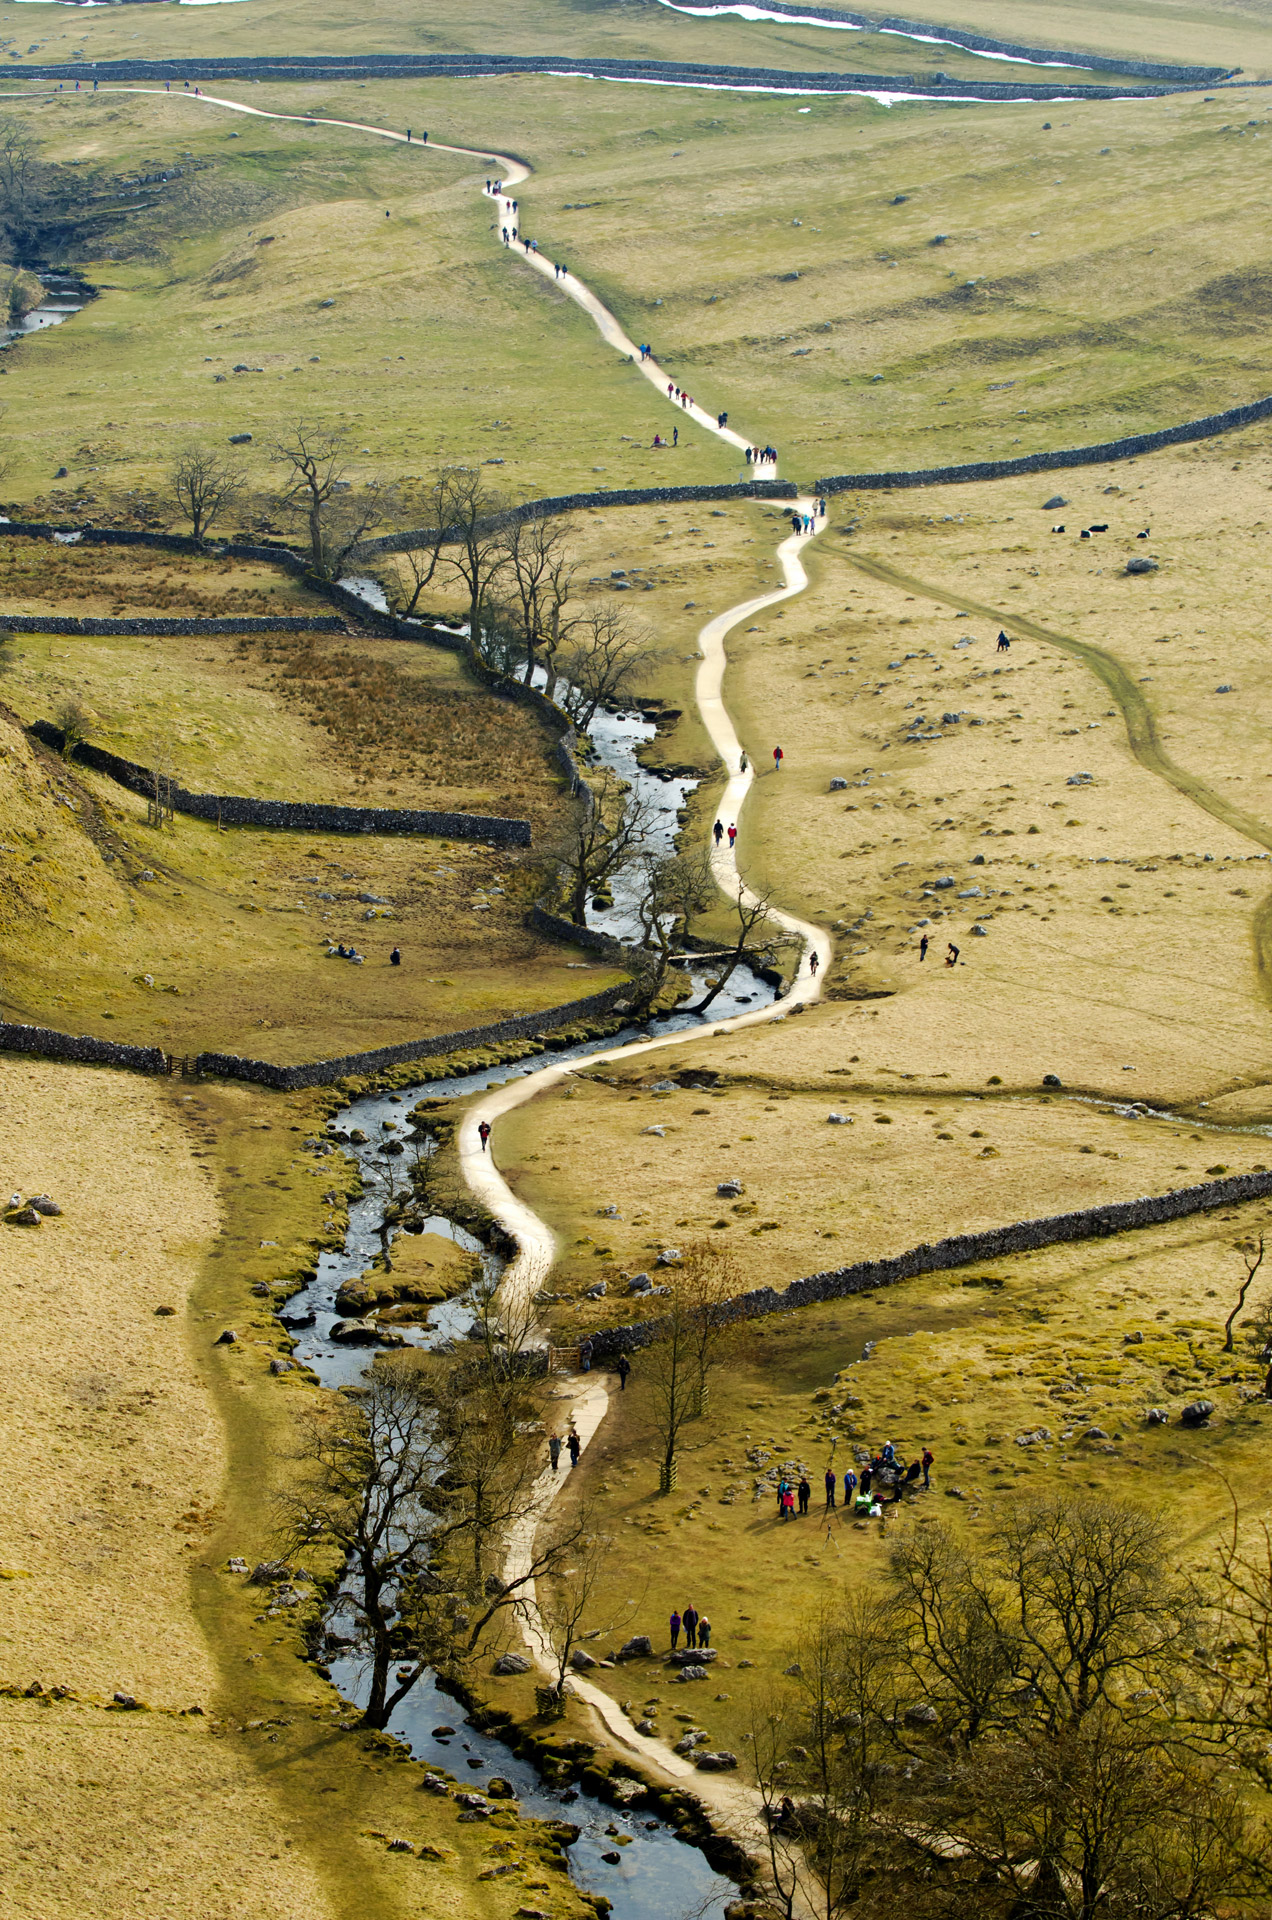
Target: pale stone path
[[730, 1801]]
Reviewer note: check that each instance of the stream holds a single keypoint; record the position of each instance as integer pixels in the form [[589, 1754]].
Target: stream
[[64, 297], [658, 1877]]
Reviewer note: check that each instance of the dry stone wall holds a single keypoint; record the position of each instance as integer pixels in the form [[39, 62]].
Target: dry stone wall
[[962, 1250], [46, 1041], [1136, 443]]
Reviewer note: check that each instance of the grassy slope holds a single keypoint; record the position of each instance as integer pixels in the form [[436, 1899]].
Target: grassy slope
[[226, 943], [1070, 333], [141, 1460]]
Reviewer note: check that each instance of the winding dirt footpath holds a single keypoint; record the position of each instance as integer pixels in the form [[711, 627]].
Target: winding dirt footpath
[[584, 1399]]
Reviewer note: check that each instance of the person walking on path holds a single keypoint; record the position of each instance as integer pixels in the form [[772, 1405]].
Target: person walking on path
[[830, 1488], [924, 944], [743, 763], [927, 1461], [805, 1494], [778, 757], [1004, 644], [718, 831], [554, 1448], [821, 508], [814, 961], [690, 1619], [585, 1357], [623, 1368], [483, 1129], [674, 1624], [850, 1487], [733, 836], [575, 1446], [704, 1631]]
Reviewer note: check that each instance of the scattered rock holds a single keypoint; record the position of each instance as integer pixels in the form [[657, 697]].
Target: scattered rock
[[236, 1565], [716, 1762], [839, 1119], [639, 1283], [946, 880], [1135, 1339], [690, 1673], [978, 932], [1141, 564], [692, 1656], [374, 900], [127, 1703], [1080, 780], [401, 1846], [639, 1647], [164, 1313], [281, 1366], [1095, 1433], [730, 1190], [1156, 1416], [239, 439], [598, 1292], [1197, 1413], [660, 1131], [270, 1573], [24, 1217], [838, 784], [1052, 1080], [42, 1204], [227, 1339], [1056, 500], [611, 1859], [511, 1663], [581, 1660], [500, 1789], [921, 1715], [433, 1783], [668, 1257]]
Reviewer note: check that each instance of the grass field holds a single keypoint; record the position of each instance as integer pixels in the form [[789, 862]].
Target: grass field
[[831, 321]]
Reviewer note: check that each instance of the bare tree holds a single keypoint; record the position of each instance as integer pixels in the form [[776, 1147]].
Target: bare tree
[[692, 1336], [1251, 1252], [755, 943], [338, 516], [607, 655], [470, 520], [601, 840], [203, 484], [566, 1602], [673, 889], [538, 580]]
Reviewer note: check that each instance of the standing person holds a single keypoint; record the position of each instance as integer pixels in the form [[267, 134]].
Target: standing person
[[927, 1462], [831, 1484], [743, 763], [850, 1487], [704, 1630], [924, 944], [575, 1446], [690, 1619], [408, 136], [623, 1368], [733, 836], [554, 1449], [675, 436], [483, 1130], [585, 1357], [718, 831], [805, 1494], [781, 1495], [867, 1475], [788, 1504], [797, 523], [821, 508], [778, 757], [1004, 644], [674, 1625], [951, 955]]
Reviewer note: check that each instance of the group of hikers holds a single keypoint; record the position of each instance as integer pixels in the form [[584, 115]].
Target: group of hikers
[[697, 1628], [861, 1493], [807, 522], [951, 951], [661, 440], [339, 951], [761, 456]]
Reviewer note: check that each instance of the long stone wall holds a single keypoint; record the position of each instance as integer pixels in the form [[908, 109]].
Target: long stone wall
[[472, 66], [66, 623], [46, 1041], [237, 810], [962, 1250], [1133, 444], [321, 1073], [611, 497]]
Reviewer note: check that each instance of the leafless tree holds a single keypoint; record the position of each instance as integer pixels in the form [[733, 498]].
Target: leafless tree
[[607, 655], [758, 942], [538, 581], [1251, 1252], [567, 1604], [673, 889], [203, 484], [470, 519], [692, 1338], [338, 516], [599, 841]]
